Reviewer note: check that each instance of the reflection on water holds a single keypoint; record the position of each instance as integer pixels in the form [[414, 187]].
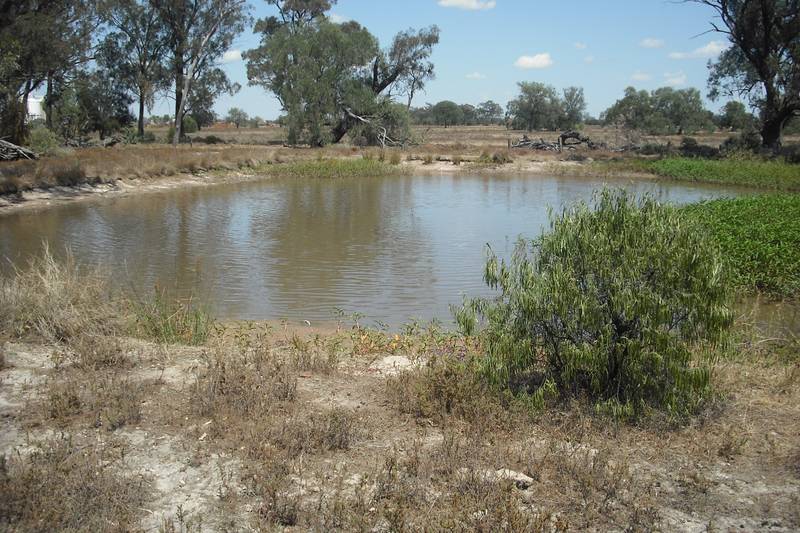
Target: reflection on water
[[391, 248]]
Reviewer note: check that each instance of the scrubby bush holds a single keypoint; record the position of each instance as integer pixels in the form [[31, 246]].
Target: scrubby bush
[[610, 303], [189, 125], [43, 141], [691, 148]]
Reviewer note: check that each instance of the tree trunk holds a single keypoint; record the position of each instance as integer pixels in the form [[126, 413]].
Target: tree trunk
[[340, 130], [48, 103], [179, 83], [140, 125], [772, 131]]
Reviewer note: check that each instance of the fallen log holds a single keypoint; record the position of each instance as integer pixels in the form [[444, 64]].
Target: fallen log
[[568, 140], [12, 152]]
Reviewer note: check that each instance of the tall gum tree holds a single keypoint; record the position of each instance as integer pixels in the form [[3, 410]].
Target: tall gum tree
[[200, 32], [135, 50]]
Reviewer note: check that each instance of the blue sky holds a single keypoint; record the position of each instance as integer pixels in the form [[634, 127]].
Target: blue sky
[[488, 46]]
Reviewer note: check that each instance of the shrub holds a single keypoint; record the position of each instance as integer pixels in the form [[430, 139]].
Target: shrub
[[427, 160], [691, 148], [189, 125], [395, 158], [43, 141], [609, 303]]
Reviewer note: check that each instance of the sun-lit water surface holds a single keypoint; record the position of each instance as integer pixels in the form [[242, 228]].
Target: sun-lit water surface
[[390, 248]]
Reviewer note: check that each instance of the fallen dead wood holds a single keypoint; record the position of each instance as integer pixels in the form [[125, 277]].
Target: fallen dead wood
[[568, 140], [12, 152]]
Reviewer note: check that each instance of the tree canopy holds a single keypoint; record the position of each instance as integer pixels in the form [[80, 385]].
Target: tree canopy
[[332, 77], [662, 111]]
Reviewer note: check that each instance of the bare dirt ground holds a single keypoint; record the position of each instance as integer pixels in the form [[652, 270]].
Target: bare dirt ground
[[331, 437]]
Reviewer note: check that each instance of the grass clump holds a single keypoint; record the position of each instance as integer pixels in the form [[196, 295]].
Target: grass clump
[[759, 237], [777, 175], [496, 158], [56, 301], [64, 487], [171, 321], [609, 304], [333, 168]]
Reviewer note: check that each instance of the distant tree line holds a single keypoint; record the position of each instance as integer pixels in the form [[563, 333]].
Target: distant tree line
[[664, 111]]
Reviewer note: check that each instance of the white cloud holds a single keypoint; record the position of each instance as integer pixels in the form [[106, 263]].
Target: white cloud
[[580, 46], [534, 61], [232, 56], [675, 79], [588, 60], [338, 19], [641, 76], [475, 76], [471, 5], [709, 51], [651, 42]]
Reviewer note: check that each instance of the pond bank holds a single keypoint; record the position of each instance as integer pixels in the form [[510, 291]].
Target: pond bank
[[42, 198]]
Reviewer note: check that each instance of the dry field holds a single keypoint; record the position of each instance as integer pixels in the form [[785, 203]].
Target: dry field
[[265, 427]]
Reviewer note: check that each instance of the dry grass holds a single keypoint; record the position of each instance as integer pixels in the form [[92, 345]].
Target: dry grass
[[64, 487], [102, 165], [95, 400], [56, 301]]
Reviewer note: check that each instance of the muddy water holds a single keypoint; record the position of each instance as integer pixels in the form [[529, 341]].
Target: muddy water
[[390, 248]]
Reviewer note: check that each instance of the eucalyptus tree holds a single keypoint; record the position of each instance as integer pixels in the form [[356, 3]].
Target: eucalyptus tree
[[574, 104], [330, 78], [762, 63], [199, 33], [490, 112], [135, 50], [237, 117], [538, 106]]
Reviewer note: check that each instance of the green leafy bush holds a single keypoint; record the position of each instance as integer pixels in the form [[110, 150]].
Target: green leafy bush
[[759, 237], [189, 125], [43, 141], [610, 303]]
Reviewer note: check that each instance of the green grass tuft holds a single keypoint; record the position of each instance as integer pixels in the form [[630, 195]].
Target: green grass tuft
[[172, 321]]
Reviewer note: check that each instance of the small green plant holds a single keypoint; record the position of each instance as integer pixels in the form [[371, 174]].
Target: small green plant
[[172, 321], [395, 158], [610, 303], [456, 159], [427, 160]]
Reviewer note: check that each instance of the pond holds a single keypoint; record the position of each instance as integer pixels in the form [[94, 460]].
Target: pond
[[391, 248]]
